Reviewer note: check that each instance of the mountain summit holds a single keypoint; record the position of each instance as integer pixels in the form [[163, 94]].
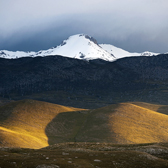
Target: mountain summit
[[78, 46]]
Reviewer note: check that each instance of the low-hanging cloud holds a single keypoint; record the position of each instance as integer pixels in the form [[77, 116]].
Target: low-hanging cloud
[[134, 25]]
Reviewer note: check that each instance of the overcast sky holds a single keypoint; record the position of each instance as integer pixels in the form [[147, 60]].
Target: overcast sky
[[134, 25]]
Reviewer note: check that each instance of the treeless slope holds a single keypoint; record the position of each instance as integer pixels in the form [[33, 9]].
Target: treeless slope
[[135, 124], [23, 123], [35, 124], [154, 107], [125, 123]]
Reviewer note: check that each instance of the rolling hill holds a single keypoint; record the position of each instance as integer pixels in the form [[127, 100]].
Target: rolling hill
[[124, 123], [22, 123], [36, 124]]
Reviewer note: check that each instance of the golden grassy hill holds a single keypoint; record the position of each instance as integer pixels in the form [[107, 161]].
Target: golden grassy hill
[[126, 123], [35, 124], [154, 107], [23, 123]]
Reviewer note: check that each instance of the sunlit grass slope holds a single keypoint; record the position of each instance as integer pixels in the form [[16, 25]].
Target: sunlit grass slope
[[23, 123], [155, 107], [36, 124], [125, 123]]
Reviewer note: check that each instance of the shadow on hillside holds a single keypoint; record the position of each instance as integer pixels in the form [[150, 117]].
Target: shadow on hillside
[[64, 127], [6, 110], [163, 110], [81, 126]]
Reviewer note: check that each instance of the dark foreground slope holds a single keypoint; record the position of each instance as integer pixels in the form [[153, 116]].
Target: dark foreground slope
[[85, 84], [87, 155]]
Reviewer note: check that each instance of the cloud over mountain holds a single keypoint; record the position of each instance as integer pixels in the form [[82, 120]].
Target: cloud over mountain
[[132, 25]]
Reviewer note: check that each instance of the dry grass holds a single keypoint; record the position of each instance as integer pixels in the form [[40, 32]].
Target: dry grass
[[125, 123], [135, 124], [35, 124], [154, 107], [25, 123]]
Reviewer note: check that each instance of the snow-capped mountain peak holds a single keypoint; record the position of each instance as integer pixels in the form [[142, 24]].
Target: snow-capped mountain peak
[[78, 46]]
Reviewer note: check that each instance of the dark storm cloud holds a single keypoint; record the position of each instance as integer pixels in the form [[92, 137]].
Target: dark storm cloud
[[39, 24]]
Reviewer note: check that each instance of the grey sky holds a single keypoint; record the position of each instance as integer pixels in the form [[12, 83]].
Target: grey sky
[[134, 25]]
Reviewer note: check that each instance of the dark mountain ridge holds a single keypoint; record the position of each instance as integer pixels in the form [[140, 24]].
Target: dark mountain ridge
[[128, 79]]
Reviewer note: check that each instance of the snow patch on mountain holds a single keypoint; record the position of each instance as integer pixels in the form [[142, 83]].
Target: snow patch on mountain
[[147, 53], [15, 54], [120, 53]]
